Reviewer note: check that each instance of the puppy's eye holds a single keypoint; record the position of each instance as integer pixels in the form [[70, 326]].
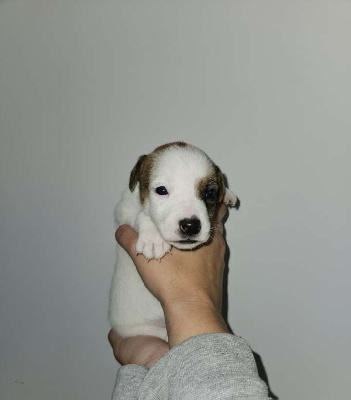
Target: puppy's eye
[[161, 190], [211, 195]]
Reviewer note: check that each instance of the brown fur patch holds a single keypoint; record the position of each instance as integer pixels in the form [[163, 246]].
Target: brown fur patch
[[220, 181], [143, 168], [141, 173], [168, 145], [211, 181], [136, 173]]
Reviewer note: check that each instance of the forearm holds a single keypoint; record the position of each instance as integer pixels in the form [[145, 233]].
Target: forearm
[[213, 366], [128, 380], [191, 318]]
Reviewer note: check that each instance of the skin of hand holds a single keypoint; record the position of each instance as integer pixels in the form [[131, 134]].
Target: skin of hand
[[139, 350], [188, 285]]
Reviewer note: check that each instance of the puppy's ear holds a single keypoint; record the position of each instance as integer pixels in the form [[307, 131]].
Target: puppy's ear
[[225, 195], [137, 171], [230, 199]]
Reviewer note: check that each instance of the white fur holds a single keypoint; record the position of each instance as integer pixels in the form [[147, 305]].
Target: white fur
[[133, 309]]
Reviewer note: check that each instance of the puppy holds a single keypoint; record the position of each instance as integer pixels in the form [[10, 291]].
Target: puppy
[[171, 201]]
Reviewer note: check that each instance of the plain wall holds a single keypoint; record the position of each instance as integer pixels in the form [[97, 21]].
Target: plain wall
[[86, 87]]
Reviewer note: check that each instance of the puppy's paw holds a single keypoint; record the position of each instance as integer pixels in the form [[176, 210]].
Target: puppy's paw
[[152, 245]]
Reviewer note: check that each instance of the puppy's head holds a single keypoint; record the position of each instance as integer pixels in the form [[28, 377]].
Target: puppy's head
[[179, 188]]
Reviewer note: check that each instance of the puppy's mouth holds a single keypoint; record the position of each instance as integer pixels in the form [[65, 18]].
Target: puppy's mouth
[[186, 244], [187, 241]]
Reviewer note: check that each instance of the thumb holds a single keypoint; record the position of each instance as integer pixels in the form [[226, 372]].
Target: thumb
[[127, 238], [221, 212]]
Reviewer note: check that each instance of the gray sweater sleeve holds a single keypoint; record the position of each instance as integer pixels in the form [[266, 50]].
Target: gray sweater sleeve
[[209, 366]]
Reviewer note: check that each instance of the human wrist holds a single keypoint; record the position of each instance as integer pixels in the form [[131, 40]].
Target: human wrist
[[192, 317]]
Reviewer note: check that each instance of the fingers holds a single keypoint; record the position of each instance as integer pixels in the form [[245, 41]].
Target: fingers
[[113, 338], [140, 350], [127, 238], [115, 342], [221, 211], [220, 214]]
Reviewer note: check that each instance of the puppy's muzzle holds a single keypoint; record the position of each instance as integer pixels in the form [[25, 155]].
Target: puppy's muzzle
[[190, 226]]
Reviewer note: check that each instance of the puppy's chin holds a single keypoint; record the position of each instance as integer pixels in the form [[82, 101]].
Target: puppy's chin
[[187, 244]]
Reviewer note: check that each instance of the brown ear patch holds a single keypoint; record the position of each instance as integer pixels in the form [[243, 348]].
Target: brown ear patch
[[136, 173], [142, 170], [141, 173], [220, 182]]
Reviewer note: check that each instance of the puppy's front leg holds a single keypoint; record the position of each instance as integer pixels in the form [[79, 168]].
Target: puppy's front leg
[[150, 242]]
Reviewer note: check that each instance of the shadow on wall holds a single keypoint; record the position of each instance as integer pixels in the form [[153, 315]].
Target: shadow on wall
[[259, 363]]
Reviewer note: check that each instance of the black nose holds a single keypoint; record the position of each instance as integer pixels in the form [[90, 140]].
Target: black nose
[[190, 226]]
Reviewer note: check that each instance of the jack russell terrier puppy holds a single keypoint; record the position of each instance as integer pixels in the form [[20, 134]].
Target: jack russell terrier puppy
[[171, 201]]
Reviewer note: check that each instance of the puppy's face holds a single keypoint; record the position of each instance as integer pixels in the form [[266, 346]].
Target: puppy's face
[[179, 188]]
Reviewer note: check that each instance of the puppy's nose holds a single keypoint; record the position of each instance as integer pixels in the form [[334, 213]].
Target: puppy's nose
[[190, 226]]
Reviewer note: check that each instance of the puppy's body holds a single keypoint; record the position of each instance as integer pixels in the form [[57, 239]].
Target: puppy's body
[[170, 201]]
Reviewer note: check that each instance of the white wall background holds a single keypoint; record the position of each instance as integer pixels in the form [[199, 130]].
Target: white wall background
[[86, 87]]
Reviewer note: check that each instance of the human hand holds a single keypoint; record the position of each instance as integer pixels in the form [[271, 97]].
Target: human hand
[[188, 284], [139, 350], [183, 274]]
